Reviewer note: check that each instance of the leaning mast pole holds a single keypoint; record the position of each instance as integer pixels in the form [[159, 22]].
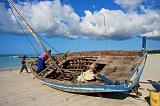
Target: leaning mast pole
[[28, 26], [33, 33]]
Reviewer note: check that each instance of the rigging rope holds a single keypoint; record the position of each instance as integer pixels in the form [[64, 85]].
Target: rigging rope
[[24, 33], [37, 35], [47, 43], [34, 32]]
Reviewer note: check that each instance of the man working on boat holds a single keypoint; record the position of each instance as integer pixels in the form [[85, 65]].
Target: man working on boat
[[41, 61]]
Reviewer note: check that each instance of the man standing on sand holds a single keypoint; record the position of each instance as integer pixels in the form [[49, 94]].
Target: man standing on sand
[[24, 66]]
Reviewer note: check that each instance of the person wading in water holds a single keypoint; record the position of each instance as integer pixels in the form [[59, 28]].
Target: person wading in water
[[24, 66]]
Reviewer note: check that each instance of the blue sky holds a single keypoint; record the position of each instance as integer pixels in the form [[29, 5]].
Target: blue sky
[[78, 25]]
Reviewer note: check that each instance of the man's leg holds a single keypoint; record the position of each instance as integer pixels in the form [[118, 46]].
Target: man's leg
[[22, 68], [25, 67]]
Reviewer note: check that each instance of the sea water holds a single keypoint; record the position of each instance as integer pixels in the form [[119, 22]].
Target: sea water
[[12, 61], [7, 61]]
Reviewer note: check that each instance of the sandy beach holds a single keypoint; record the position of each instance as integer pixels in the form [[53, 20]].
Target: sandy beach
[[22, 90]]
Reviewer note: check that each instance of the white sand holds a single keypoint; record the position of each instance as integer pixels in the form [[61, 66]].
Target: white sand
[[21, 90]]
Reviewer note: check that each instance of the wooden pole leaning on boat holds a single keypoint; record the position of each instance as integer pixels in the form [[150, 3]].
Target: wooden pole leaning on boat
[[53, 63], [40, 73]]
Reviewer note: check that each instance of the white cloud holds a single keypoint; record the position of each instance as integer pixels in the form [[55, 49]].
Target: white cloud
[[129, 4], [51, 18], [120, 25], [43, 17], [6, 21]]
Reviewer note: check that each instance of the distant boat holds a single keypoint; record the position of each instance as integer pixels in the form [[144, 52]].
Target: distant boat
[[90, 71]]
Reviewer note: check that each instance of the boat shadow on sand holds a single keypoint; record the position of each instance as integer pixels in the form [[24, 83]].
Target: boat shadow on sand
[[156, 85], [113, 95]]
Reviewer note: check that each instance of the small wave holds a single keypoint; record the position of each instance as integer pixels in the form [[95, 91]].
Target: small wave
[[13, 56]]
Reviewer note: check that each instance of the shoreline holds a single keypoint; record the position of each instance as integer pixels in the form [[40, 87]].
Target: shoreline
[[9, 68]]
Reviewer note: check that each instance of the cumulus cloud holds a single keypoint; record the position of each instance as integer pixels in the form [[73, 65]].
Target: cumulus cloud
[[47, 17], [51, 18], [129, 4], [6, 21], [120, 25]]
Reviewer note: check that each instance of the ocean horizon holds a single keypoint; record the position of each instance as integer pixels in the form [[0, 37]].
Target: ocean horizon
[[11, 61]]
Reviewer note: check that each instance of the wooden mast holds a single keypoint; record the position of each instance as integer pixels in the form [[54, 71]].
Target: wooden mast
[[34, 34]]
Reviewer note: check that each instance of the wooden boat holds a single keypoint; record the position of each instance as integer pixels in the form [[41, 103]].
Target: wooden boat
[[91, 71], [113, 71]]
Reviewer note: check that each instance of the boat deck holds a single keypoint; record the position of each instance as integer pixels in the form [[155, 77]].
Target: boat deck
[[118, 67], [115, 65]]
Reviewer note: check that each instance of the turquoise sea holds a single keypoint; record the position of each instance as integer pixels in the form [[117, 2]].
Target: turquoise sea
[[12, 61], [9, 61]]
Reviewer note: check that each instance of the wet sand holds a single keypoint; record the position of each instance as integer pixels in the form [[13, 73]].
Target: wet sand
[[22, 90]]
